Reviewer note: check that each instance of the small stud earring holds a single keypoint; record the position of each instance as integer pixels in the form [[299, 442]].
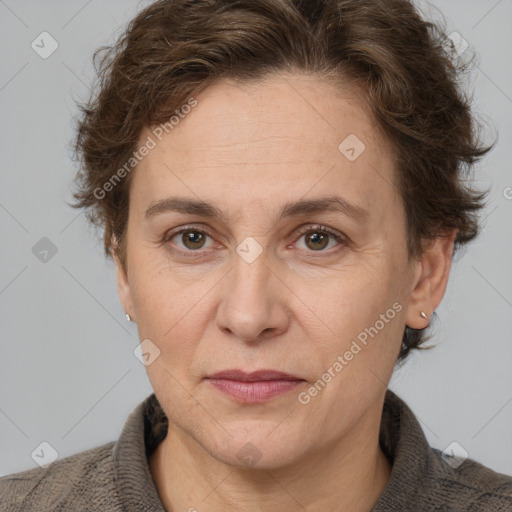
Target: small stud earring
[[424, 315], [128, 317]]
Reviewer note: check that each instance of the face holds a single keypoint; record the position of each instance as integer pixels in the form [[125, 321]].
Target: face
[[255, 283]]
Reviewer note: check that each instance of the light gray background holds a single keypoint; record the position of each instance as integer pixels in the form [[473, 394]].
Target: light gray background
[[68, 375]]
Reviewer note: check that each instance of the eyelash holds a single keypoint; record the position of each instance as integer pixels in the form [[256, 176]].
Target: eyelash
[[317, 228]]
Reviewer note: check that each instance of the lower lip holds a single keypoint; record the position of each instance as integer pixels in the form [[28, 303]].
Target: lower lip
[[255, 392]]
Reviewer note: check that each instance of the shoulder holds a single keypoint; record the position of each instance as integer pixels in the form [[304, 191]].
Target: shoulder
[[425, 478], [469, 485], [83, 481]]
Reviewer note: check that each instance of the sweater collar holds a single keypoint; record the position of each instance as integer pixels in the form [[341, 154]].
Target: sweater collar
[[143, 430], [413, 463]]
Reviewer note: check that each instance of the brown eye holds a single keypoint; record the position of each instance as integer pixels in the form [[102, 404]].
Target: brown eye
[[320, 239], [193, 239], [317, 240], [188, 239]]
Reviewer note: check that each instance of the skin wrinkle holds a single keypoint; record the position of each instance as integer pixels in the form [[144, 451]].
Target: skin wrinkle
[[287, 310]]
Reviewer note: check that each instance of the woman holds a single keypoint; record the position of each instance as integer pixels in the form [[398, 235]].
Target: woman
[[280, 187]]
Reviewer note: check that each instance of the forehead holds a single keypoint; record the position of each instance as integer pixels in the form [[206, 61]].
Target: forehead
[[303, 111], [285, 137]]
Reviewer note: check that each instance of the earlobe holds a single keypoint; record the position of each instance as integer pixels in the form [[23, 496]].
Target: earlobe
[[431, 280]]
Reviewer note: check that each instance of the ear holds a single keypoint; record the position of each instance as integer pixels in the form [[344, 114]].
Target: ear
[[123, 288], [431, 280]]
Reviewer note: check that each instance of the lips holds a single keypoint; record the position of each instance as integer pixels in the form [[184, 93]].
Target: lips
[[254, 387], [259, 375]]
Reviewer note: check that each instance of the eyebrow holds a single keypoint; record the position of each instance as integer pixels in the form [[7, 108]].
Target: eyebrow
[[292, 209]]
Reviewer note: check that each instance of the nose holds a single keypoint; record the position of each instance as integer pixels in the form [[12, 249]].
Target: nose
[[253, 305]]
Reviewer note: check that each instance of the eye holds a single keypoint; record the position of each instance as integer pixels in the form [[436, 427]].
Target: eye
[[317, 238], [192, 239]]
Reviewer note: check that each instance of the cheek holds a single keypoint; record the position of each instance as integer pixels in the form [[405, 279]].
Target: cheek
[[362, 314], [171, 307], [357, 365], [351, 299], [157, 292]]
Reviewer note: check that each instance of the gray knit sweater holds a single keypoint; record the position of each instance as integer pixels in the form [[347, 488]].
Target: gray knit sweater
[[116, 476]]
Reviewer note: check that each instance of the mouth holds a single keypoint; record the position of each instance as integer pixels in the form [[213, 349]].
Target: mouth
[[254, 387]]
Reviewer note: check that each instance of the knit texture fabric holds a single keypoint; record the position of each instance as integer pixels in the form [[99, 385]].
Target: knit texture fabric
[[115, 477]]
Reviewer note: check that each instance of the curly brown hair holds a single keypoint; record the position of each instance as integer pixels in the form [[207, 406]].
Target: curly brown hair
[[173, 49]]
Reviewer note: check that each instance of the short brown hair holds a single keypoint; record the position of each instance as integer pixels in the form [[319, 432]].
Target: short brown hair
[[174, 48]]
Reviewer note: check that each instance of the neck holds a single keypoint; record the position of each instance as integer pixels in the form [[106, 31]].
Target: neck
[[350, 475]]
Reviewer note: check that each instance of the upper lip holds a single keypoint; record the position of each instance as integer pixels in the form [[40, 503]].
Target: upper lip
[[259, 375]]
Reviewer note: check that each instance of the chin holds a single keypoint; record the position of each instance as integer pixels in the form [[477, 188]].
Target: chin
[[256, 449]]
